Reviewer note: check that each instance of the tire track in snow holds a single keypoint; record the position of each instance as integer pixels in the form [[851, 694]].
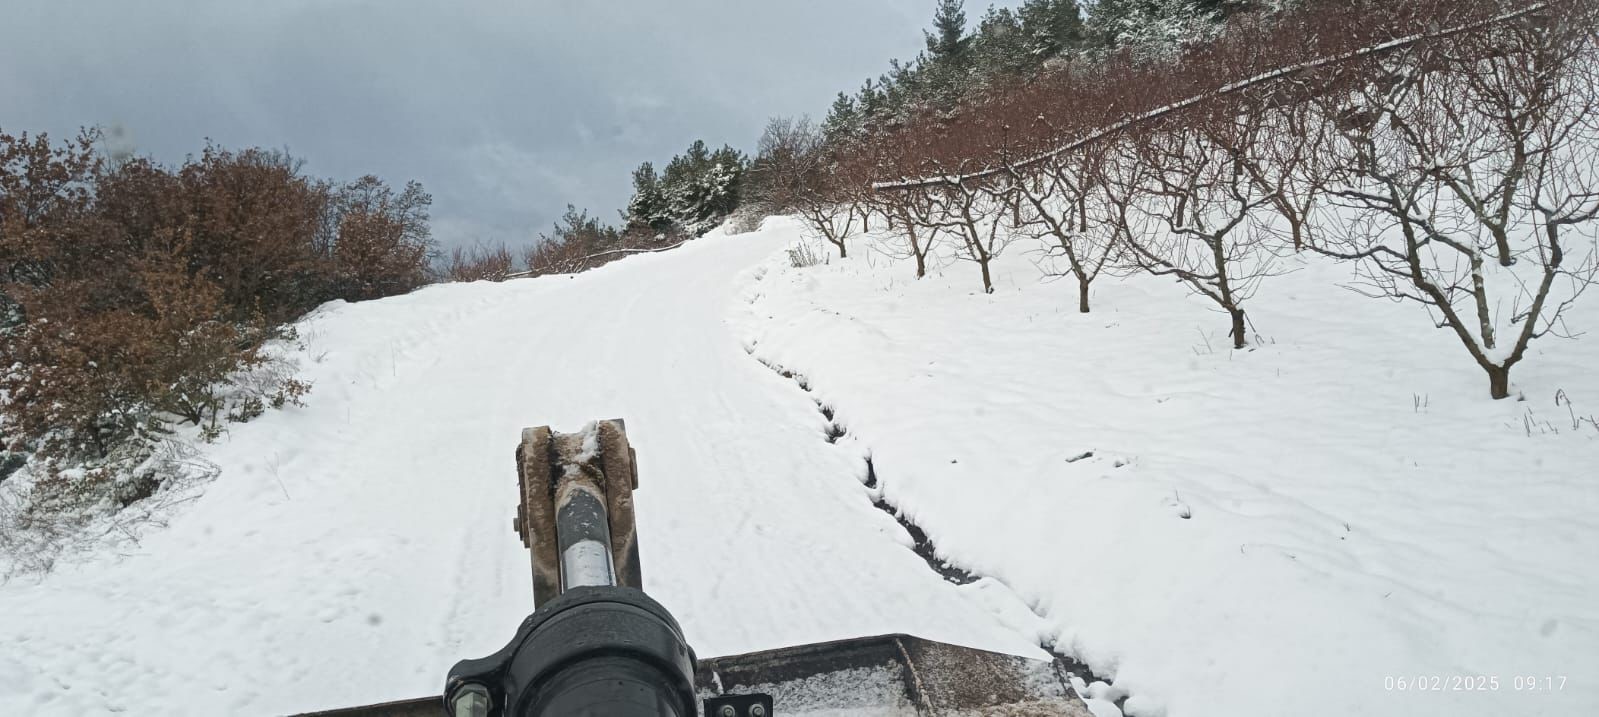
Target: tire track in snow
[[1079, 674]]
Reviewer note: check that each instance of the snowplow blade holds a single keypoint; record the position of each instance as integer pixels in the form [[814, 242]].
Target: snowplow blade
[[893, 675], [883, 676]]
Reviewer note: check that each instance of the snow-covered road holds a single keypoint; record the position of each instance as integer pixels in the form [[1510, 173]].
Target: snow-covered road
[[352, 550]]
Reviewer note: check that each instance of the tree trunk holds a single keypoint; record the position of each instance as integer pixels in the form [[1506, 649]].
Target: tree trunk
[[1498, 381], [988, 283], [1239, 330], [916, 249], [1082, 295]]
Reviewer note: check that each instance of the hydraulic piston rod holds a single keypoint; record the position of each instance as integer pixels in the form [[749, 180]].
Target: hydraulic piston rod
[[576, 513]]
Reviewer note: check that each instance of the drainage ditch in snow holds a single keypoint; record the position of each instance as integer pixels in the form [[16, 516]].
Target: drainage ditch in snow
[[1088, 685]]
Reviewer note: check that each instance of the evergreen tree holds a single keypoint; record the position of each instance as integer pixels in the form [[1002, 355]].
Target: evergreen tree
[[1154, 27], [843, 121], [721, 184], [697, 190], [903, 87], [947, 64], [871, 102], [648, 206], [948, 42], [1000, 47], [1224, 9], [577, 229], [1052, 27]]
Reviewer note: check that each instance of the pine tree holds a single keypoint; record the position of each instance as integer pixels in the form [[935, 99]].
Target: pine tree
[[648, 206], [679, 183], [720, 185], [585, 233], [1227, 8], [1052, 27], [871, 102], [843, 121], [1154, 27], [697, 190], [999, 49], [946, 67], [903, 87], [947, 43]]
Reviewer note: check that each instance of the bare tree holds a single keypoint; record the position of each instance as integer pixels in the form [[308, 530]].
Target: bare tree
[[480, 263], [1064, 201], [794, 172], [1204, 205], [974, 213], [831, 214], [785, 158], [910, 211], [1282, 147], [1472, 186]]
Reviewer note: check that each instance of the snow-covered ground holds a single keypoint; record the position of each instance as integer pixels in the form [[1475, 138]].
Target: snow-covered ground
[[1289, 529], [1278, 531], [354, 549]]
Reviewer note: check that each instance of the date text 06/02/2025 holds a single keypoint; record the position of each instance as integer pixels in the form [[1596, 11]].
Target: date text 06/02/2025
[[1473, 683]]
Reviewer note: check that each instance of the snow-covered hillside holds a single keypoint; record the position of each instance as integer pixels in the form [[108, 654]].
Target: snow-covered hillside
[[1288, 529], [1283, 530]]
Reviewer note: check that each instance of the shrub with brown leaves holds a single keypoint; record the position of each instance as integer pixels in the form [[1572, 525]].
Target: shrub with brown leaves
[[137, 297]]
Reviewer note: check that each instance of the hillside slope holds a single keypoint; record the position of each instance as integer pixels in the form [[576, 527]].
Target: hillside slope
[[1306, 526], [1281, 530]]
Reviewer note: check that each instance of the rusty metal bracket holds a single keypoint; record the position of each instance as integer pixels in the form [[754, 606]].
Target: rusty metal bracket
[[549, 465]]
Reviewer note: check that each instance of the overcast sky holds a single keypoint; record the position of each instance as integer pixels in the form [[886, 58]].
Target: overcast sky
[[505, 111]]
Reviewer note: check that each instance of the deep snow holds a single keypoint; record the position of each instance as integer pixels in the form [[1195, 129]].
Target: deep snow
[[1264, 532]]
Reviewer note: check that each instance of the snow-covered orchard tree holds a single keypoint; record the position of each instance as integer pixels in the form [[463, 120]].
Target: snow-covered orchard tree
[[1062, 200], [1287, 159], [914, 229], [1204, 208], [975, 214], [794, 172], [1469, 182]]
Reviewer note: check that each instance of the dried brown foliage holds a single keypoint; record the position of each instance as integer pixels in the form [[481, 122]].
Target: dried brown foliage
[[480, 263], [138, 296], [1272, 59], [572, 254], [382, 244]]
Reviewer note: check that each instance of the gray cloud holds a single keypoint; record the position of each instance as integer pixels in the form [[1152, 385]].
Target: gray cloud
[[506, 111]]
